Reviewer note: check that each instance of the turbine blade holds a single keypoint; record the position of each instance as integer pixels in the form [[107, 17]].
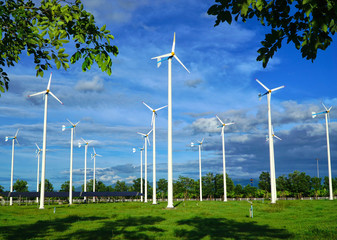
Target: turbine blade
[[148, 141], [149, 132], [162, 56], [262, 85], [77, 123], [324, 106], [99, 155], [94, 150], [219, 119], [329, 109], [175, 56], [313, 114], [158, 62], [84, 140], [35, 94], [153, 117], [277, 137], [37, 146], [274, 89], [48, 87], [231, 123], [16, 132], [141, 134], [174, 42], [17, 141], [147, 106], [70, 122], [56, 98], [160, 108]]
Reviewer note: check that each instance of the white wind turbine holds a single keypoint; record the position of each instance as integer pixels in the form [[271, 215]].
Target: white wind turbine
[[326, 113], [169, 57], [14, 138], [153, 124], [273, 134], [38, 151], [146, 139], [43, 170], [200, 179], [271, 142], [93, 157], [71, 159], [86, 143], [141, 173], [223, 156]]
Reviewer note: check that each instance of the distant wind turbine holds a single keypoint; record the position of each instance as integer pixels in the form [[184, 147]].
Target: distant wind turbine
[[273, 134], [86, 143], [14, 138], [38, 151], [223, 156], [153, 124], [271, 142], [161, 58], [71, 159], [43, 170], [200, 179], [93, 157], [327, 118], [146, 139]]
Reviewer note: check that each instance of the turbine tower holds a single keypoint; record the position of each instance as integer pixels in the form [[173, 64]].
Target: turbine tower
[[223, 156], [153, 124], [200, 179], [43, 170], [327, 118], [169, 57], [93, 157], [146, 139], [141, 171], [71, 159], [38, 151], [271, 142], [86, 143], [14, 138]]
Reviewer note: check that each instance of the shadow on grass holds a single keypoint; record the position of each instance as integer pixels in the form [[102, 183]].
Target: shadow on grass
[[42, 229], [128, 228], [220, 228]]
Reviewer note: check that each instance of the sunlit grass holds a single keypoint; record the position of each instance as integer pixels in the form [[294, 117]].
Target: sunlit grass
[[189, 220]]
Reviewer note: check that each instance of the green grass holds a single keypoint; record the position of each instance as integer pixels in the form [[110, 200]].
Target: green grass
[[189, 220]]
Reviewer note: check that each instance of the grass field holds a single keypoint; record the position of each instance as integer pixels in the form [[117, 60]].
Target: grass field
[[316, 219]]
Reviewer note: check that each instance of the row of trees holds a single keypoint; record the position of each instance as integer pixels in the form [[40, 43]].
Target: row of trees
[[296, 184]]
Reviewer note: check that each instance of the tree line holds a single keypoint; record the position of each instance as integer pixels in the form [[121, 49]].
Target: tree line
[[296, 184]]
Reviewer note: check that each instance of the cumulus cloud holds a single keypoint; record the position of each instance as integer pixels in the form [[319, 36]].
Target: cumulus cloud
[[94, 85], [193, 83]]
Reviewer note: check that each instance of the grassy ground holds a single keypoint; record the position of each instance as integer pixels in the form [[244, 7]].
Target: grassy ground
[[189, 220]]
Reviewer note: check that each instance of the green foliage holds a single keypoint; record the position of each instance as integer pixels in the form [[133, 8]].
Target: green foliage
[[120, 186], [48, 187], [264, 182], [1, 188], [20, 186], [308, 24], [45, 30], [65, 187], [162, 187]]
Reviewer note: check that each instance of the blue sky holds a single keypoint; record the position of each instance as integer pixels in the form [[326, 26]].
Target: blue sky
[[222, 81]]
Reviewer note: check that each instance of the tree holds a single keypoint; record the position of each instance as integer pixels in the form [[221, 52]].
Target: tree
[[44, 30], [120, 186], [136, 185], [184, 187], [299, 184], [208, 185], [308, 24], [65, 187], [250, 191], [20, 186], [162, 187], [48, 187], [1, 188], [238, 191], [219, 185], [264, 183]]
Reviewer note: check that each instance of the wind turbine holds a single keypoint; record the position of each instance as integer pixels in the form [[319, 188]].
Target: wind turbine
[[146, 139], [153, 124], [43, 170], [93, 157], [38, 151], [141, 173], [71, 159], [169, 57], [223, 156], [273, 134], [14, 138], [200, 187], [86, 143], [271, 141], [326, 113]]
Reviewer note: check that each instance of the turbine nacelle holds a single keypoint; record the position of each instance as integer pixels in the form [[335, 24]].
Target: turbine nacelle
[[133, 150], [6, 139]]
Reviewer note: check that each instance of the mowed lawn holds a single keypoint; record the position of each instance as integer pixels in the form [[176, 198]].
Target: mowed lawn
[[311, 219]]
